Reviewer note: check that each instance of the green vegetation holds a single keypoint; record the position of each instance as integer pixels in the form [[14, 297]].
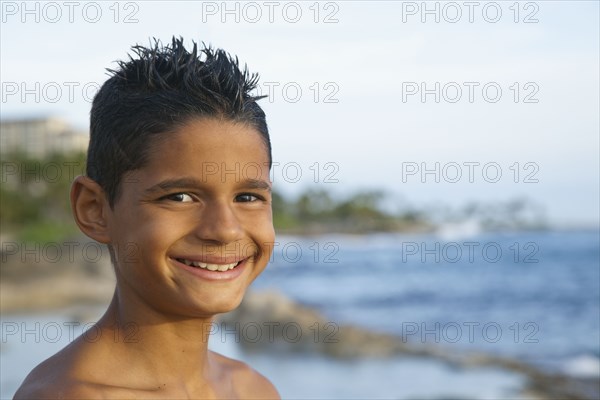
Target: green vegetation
[[315, 211], [34, 196]]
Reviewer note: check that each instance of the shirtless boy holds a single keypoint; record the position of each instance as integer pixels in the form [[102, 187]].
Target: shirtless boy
[[186, 234]]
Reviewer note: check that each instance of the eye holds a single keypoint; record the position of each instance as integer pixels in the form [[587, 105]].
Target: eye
[[179, 197], [246, 198]]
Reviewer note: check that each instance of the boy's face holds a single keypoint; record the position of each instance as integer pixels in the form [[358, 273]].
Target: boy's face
[[203, 198]]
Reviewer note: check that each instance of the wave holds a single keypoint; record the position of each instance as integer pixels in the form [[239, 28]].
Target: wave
[[583, 366]]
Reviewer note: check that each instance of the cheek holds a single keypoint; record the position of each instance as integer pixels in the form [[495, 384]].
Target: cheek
[[266, 240], [139, 236], [261, 224]]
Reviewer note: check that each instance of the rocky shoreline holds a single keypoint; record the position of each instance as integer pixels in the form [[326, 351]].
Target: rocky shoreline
[[34, 285]]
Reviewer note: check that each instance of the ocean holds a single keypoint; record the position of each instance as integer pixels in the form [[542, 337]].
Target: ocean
[[533, 296]]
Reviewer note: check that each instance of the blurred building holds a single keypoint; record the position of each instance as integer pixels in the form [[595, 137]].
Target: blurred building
[[39, 137]]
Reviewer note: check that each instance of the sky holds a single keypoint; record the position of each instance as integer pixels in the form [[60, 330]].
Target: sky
[[433, 102]]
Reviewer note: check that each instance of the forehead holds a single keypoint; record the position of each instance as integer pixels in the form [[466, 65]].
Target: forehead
[[203, 145]]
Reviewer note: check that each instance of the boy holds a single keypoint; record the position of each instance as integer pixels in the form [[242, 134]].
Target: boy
[[170, 136]]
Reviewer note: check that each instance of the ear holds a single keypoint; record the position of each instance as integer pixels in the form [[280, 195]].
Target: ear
[[90, 206]]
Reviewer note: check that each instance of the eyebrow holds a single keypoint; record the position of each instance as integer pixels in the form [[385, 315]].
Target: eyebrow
[[255, 184], [188, 183]]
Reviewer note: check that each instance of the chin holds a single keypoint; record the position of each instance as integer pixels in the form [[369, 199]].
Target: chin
[[229, 306], [219, 306]]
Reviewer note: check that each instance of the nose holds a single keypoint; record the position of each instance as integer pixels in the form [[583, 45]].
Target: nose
[[219, 223]]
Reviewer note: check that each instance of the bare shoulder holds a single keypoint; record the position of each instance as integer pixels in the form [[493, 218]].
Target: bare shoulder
[[46, 381], [249, 383], [49, 381], [63, 376], [64, 391]]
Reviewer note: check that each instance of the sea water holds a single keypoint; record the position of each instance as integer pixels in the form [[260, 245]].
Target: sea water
[[531, 295]]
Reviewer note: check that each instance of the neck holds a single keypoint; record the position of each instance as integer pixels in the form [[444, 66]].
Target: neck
[[172, 349]]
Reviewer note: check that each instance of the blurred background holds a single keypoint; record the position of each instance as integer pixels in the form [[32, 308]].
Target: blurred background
[[436, 176]]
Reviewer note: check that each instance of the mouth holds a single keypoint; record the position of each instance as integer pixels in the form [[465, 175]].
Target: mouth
[[208, 266]]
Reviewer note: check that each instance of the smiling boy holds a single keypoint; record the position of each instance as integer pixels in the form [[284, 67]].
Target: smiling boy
[[171, 132]]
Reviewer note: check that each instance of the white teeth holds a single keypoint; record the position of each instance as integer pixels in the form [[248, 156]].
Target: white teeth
[[210, 267]]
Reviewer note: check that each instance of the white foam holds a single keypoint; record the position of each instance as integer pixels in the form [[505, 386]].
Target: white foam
[[457, 231], [584, 366]]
